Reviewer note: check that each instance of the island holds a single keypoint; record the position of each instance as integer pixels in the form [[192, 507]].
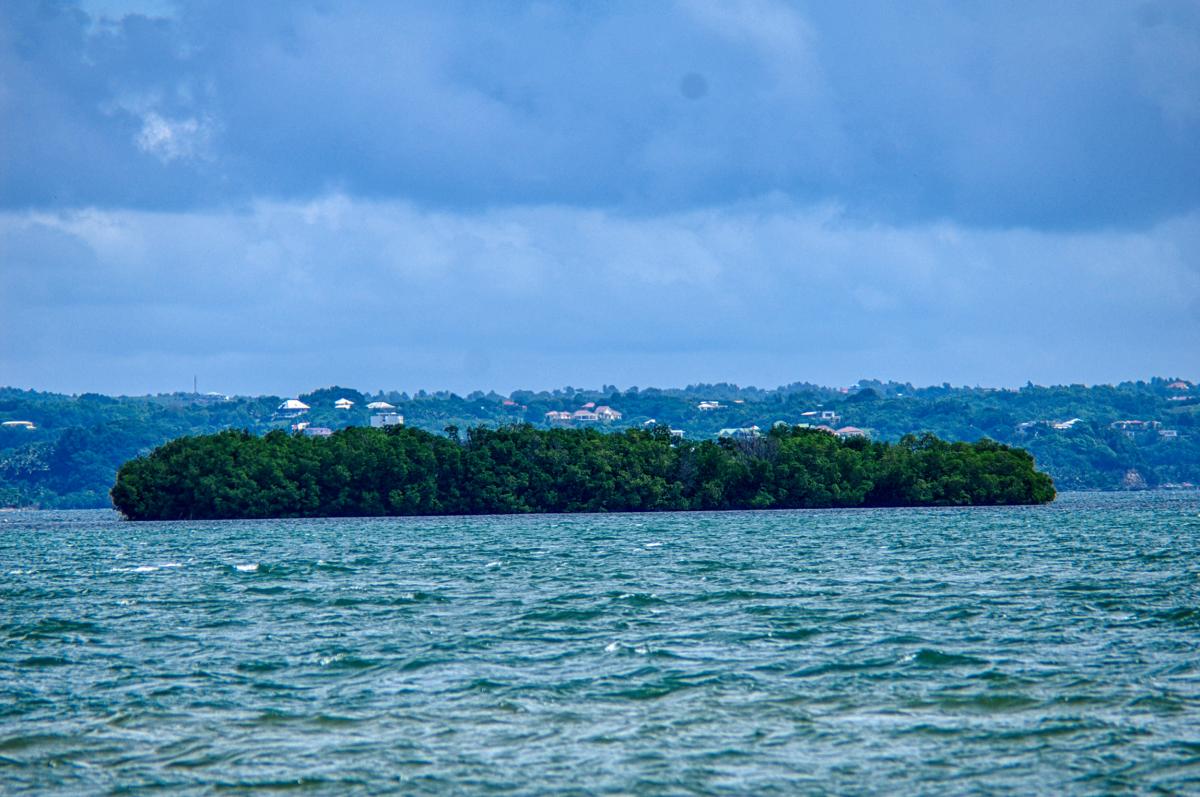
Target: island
[[361, 471]]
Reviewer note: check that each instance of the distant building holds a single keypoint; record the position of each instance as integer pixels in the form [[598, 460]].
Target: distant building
[[584, 416], [850, 431], [555, 416], [1130, 427], [606, 414], [1180, 385], [676, 434], [830, 415], [292, 408], [1065, 425], [300, 427], [591, 405], [380, 405], [317, 431], [1168, 434], [743, 433], [708, 406], [382, 419], [343, 404], [18, 425]]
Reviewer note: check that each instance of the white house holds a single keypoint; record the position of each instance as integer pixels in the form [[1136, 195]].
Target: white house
[[18, 425], [343, 404], [382, 419], [584, 416], [293, 407], [606, 413], [708, 406], [851, 431], [380, 405]]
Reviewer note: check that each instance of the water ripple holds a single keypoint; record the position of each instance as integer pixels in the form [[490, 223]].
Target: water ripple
[[947, 651]]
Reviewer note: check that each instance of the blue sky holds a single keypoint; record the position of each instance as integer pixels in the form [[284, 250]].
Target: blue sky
[[500, 195]]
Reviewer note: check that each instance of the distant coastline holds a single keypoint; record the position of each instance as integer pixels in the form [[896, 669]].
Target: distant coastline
[[520, 469], [62, 451]]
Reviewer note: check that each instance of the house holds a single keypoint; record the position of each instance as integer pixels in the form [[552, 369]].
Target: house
[[591, 405], [607, 414], [708, 406], [1065, 425], [292, 407], [1179, 385], [850, 431], [18, 425], [744, 433], [826, 429], [382, 419], [1168, 434], [584, 416], [343, 404], [317, 431], [554, 416], [1129, 427], [380, 405], [830, 415], [676, 434], [300, 427]]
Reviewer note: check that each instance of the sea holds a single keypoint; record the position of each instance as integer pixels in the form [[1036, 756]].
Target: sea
[[1024, 650]]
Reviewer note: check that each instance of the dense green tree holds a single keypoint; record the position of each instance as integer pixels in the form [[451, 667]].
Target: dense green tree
[[517, 469]]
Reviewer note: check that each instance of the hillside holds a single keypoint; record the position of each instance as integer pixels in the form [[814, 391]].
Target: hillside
[[70, 457]]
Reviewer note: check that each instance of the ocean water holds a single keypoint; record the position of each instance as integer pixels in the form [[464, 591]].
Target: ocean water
[[1051, 650]]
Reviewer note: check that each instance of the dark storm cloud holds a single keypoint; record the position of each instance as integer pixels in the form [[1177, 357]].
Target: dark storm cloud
[[1065, 115]]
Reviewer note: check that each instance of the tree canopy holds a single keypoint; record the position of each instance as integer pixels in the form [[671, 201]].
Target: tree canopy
[[519, 468]]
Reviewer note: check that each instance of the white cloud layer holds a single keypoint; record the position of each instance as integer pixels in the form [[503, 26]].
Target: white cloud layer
[[286, 296]]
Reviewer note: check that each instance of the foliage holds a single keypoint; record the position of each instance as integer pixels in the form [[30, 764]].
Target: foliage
[[517, 469], [71, 459]]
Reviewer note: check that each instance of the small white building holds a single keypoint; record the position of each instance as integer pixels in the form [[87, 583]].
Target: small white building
[[380, 405], [851, 431], [343, 404], [18, 425], [584, 416], [381, 419], [606, 413], [293, 407], [708, 406]]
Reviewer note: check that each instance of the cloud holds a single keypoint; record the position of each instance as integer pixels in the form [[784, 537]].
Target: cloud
[[170, 140], [1062, 116], [286, 295]]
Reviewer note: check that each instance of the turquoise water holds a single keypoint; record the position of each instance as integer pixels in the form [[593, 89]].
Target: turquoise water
[[960, 651]]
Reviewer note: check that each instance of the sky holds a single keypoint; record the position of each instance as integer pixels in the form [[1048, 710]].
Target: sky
[[273, 197]]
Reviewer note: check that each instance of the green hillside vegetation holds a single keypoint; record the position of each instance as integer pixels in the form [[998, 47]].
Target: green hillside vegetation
[[71, 458], [518, 469]]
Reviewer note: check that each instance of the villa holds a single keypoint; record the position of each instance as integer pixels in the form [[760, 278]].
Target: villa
[[381, 419], [293, 407], [605, 413], [343, 404]]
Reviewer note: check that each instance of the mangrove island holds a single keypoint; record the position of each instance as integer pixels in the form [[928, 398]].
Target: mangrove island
[[520, 469]]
